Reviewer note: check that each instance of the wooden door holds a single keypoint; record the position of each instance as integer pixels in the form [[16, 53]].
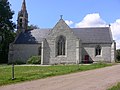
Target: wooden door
[[86, 58]]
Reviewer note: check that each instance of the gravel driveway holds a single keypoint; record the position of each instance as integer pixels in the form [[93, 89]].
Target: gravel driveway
[[99, 79]]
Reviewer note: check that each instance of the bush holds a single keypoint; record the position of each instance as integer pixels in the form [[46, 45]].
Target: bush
[[116, 87], [34, 60], [118, 55]]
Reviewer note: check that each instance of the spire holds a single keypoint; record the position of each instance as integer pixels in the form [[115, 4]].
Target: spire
[[24, 6], [22, 21]]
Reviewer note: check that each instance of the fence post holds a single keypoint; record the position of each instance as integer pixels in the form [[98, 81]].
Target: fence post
[[13, 71]]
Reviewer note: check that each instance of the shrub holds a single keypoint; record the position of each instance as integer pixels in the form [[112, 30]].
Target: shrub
[[118, 55], [116, 87], [34, 60]]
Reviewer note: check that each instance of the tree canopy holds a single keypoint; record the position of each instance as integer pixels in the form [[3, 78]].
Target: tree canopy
[[33, 27], [6, 29]]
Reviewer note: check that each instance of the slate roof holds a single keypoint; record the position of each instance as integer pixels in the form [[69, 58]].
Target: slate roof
[[87, 35], [32, 36], [94, 35]]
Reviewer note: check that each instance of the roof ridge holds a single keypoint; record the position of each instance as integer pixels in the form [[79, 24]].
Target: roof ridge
[[89, 27]]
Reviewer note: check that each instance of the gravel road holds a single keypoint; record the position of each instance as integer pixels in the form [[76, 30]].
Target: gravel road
[[99, 79]]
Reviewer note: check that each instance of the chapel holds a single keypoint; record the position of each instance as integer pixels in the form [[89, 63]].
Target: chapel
[[61, 44]]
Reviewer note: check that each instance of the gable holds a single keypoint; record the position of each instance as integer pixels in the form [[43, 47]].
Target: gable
[[61, 25], [61, 28]]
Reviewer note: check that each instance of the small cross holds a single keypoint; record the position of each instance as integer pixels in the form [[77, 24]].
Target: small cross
[[61, 16]]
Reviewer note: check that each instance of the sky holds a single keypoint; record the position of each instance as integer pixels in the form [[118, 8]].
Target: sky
[[76, 13]]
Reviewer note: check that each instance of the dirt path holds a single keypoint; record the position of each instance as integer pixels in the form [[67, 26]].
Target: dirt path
[[99, 79]]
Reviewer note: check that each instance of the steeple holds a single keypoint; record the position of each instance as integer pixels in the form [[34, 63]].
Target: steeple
[[22, 21], [23, 6]]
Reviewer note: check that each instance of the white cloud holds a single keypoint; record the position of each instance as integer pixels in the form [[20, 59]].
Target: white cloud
[[115, 28], [94, 20], [118, 44], [91, 20], [69, 22]]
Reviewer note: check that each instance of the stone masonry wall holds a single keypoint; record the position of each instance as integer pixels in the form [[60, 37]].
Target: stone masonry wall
[[21, 52], [70, 47], [89, 49]]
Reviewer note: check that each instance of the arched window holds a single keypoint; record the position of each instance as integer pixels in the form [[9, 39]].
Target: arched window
[[61, 45], [98, 50]]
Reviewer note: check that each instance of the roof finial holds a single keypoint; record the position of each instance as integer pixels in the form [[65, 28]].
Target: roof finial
[[109, 25], [61, 16]]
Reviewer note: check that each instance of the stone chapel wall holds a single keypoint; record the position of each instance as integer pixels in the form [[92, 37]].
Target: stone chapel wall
[[89, 49], [22, 52]]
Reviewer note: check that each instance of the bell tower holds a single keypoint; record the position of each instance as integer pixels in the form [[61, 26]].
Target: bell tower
[[22, 21]]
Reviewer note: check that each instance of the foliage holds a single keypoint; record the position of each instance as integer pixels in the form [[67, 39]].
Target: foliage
[[33, 27], [118, 55], [26, 73], [6, 29], [117, 87], [34, 60]]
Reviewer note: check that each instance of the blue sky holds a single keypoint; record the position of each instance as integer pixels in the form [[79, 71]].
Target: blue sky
[[76, 13]]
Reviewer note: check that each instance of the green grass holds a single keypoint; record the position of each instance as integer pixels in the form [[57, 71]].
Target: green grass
[[117, 87], [27, 73]]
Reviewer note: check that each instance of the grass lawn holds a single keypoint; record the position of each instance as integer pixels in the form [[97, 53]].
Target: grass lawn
[[117, 87], [26, 73]]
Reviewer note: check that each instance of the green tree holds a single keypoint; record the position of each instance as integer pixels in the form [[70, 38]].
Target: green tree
[[33, 27], [6, 29], [118, 55]]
